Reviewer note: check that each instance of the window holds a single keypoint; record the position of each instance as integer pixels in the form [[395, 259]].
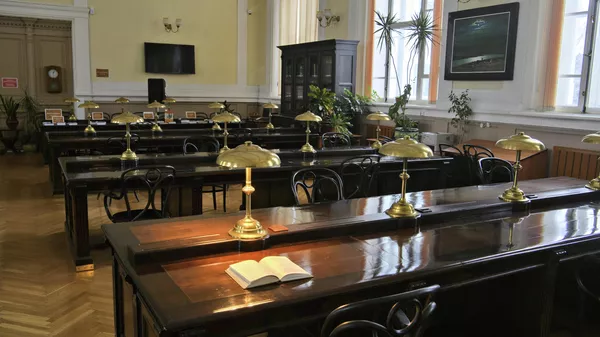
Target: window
[[417, 70], [578, 68]]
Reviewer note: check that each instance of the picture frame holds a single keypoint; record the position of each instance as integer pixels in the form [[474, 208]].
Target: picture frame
[[148, 115], [49, 113], [190, 114], [481, 43], [97, 116], [169, 117], [58, 119]]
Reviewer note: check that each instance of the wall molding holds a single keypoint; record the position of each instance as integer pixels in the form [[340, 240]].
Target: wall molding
[[42, 11], [242, 42]]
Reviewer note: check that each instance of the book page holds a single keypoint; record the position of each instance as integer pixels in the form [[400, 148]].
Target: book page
[[284, 268], [250, 274]]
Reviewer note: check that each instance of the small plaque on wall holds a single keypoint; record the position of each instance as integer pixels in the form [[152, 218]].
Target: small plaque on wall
[[97, 116], [148, 115], [49, 113], [101, 72], [10, 82]]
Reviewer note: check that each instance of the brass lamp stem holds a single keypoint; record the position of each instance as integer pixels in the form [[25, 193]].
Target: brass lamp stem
[[514, 194], [89, 129], [403, 209], [248, 228], [517, 167], [270, 126], [307, 147], [155, 126], [307, 132], [128, 154], [404, 176], [377, 144], [594, 184], [225, 134]]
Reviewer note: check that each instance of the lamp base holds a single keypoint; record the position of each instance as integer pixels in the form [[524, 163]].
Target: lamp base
[[224, 148], [376, 144], [89, 130], [128, 155], [402, 210], [156, 128], [248, 228], [594, 184], [307, 148], [270, 126], [513, 194], [72, 117]]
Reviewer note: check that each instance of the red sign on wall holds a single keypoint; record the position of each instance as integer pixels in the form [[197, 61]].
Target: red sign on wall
[[10, 82]]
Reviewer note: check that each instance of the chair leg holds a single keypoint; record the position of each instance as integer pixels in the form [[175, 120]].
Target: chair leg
[[224, 198], [214, 195]]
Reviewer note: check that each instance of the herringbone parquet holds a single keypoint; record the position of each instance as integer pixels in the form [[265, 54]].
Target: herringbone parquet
[[40, 292]]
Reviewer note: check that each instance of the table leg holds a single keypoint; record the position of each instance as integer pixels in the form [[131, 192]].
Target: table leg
[[80, 238]]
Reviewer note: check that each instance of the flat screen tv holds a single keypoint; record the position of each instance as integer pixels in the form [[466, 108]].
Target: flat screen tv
[[169, 58]]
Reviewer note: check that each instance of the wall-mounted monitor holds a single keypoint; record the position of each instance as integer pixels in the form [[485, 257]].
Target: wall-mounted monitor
[[164, 58]]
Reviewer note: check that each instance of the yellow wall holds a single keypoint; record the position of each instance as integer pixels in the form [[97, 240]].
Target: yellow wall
[[119, 28], [256, 49], [55, 2], [340, 29]]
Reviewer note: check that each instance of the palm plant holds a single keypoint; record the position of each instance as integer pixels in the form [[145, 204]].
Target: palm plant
[[9, 106], [31, 106]]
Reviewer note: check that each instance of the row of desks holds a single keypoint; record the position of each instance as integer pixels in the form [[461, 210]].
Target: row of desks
[[169, 275], [83, 175]]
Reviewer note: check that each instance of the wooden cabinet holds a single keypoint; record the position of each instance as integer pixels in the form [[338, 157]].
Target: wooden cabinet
[[327, 64]]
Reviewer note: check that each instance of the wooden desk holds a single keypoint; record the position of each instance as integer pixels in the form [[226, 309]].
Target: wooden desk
[[535, 163], [354, 252], [84, 175]]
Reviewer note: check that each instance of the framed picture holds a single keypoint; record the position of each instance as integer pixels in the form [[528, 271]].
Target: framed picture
[[49, 113], [148, 115], [169, 117], [58, 119], [190, 114], [481, 43], [97, 116]]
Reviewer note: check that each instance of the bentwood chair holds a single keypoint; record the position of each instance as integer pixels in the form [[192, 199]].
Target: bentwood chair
[[446, 150], [317, 185], [201, 116], [495, 170], [206, 144], [474, 153], [358, 174], [149, 179], [384, 139], [404, 314], [586, 276], [121, 142], [335, 139], [241, 134], [458, 172]]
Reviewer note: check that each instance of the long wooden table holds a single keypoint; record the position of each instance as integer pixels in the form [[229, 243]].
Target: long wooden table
[[169, 275], [84, 175]]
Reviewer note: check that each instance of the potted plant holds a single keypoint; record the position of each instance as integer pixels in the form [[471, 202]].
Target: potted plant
[[10, 107], [33, 120], [354, 106], [340, 123], [419, 33], [321, 100], [462, 112]]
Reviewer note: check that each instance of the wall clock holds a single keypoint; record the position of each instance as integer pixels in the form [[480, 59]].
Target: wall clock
[[53, 79]]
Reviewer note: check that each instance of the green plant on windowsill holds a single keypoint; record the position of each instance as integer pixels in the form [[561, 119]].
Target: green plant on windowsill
[[462, 113], [354, 104]]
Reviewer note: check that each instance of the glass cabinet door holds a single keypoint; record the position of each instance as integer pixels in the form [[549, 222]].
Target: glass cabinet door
[[299, 78], [313, 69], [288, 70], [327, 70]]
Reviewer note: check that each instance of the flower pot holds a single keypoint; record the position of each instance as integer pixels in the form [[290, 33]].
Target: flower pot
[[411, 132], [12, 123]]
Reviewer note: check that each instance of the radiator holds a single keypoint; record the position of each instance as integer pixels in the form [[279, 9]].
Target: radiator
[[575, 163]]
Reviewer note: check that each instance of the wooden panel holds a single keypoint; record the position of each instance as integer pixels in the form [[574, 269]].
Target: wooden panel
[[576, 163], [53, 51], [386, 130], [14, 60]]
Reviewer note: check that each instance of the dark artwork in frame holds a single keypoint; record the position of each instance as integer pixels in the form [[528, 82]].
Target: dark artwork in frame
[[481, 43]]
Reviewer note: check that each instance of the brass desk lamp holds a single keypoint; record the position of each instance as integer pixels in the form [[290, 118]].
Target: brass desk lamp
[[378, 116], [156, 105], [248, 156], [168, 101], [270, 106], [122, 100], [519, 142], [593, 138], [218, 106], [308, 117], [404, 148], [88, 105], [127, 118], [72, 100], [225, 117]]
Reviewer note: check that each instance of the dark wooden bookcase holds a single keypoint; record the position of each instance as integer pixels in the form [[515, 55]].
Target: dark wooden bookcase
[[327, 64]]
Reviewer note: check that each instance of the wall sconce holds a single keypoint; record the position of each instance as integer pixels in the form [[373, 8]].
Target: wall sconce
[[325, 18], [169, 27]]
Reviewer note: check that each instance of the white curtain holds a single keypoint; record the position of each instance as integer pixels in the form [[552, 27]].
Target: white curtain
[[298, 21]]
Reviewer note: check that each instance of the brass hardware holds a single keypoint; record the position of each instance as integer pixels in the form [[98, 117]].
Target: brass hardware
[[225, 117], [127, 118], [378, 116], [72, 100], [89, 105], [219, 107], [593, 138], [308, 117], [404, 148], [270, 106], [519, 142], [156, 105], [248, 155]]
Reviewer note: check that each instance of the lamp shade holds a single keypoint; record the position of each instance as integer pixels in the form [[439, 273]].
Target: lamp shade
[[248, 155], [592, 138], [406, 148], [127, 117], [378, 116], [270, 106], [156, 105], [72, 100], [520, 142], [216, 105], [122, 100], [169, 100], [308, 117], [89, 105], [226, 117]]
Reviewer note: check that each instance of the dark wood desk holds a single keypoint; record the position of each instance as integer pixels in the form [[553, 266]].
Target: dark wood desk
[[84, 175], [82, 124], [535, 163], [67, 143], [169, 277]]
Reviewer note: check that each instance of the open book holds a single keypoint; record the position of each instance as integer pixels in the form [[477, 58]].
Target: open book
[[271, 269]]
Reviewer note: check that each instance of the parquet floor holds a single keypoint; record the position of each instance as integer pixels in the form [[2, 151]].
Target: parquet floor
[[40, 293]]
